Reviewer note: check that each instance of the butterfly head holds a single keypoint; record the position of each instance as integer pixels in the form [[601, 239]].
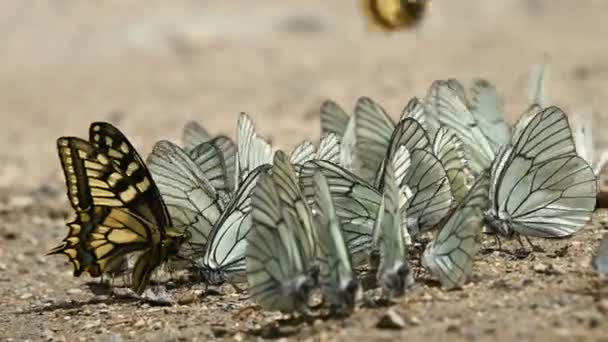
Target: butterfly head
[[397, 279], [498, 226]]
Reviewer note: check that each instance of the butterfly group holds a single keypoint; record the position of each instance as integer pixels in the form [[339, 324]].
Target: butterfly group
[[325, 215]]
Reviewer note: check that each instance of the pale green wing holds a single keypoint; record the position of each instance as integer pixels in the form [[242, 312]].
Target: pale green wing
[[355, 202], [224, 258], [414, 110], [293, 201], [253, 150], [537, 93], [449, 151], [348, 147], [582, 132], [550, 200], [193, 135], [393, 269], [448, 106], [408, 133], [374, 129], [302, 153], [193, 203], [210, 159], [329, 148], [449, 257], [333, 119], [487, 110], [277, 268], [544, 136], [431, 194], [336, 275]]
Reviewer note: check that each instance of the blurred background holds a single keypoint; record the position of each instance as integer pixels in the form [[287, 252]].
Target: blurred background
[[150, 66]]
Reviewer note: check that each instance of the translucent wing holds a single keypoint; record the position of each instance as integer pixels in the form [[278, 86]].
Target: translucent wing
[[329, 148], [414, 110], [293, 201], [193, 135], [582, 124], [193, 203], [545, 136], [302, 153], [536, 86], [431, 195], [449, 257], [553, 199], [210, 159], [487, 110], [449, 151], [336, 275], [229, 151], [408, 133], [333, 119], [374, 129], [393, 269], [253, 150], [224, 258], [448, 106], [276, 265], [348, 147], [355, 202]]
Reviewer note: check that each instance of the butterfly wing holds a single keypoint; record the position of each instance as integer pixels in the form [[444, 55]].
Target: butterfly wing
[[355, 202], [224, 257], [393, 269], [333, 119], [448, 149], [374, 129], [193, 135], [336, 275], [447, 105], [486, 108], [193, 203], [209, 157], [276, 265], [449, 257], [431, 195], [253, 150], [554, 199]]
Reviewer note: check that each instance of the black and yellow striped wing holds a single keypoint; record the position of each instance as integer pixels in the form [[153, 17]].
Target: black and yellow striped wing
[[119, 209], [393, 15]]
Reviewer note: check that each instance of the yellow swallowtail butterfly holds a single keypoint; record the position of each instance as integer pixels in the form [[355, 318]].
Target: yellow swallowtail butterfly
[[393, 15], [118, 207]]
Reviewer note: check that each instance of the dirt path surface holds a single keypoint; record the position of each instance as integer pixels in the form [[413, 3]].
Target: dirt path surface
[[149, 66]]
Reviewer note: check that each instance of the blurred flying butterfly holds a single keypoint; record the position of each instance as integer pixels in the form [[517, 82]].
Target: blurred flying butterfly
[[393, 15]]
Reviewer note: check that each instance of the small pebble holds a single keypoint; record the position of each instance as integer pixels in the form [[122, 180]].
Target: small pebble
[[391, 320], [74, 291]]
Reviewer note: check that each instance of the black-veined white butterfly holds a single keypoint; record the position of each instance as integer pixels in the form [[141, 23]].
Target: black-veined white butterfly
[[336, 275], [280, 247], [389, 256], [540, 186], [449, 257]]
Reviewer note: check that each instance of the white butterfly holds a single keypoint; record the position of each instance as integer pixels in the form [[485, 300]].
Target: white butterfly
[[447, 105], [389, 256], [193, 203], [449, 257], [336, 275], [223, 258], [540, 187], [280, 247], [329, 150], [253, 150]]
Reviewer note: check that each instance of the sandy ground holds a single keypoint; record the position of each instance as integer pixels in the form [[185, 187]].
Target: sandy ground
[[149, 66]]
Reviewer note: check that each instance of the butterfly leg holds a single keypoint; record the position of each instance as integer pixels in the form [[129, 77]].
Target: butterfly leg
[[535, 248]]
